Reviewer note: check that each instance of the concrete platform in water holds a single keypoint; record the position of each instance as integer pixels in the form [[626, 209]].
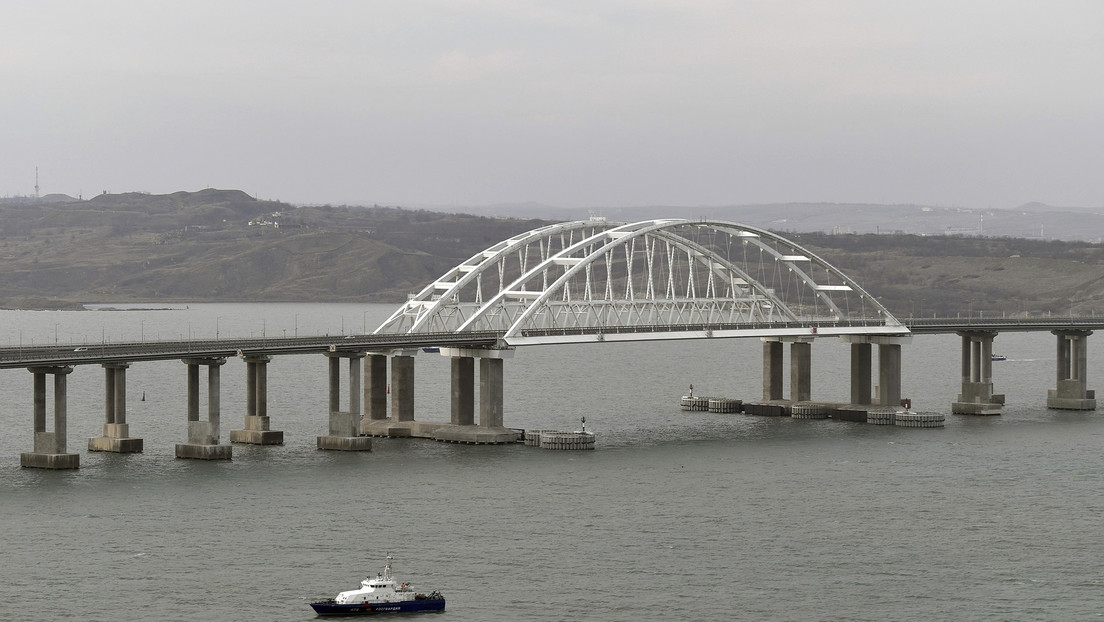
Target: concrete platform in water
[[444, 432]]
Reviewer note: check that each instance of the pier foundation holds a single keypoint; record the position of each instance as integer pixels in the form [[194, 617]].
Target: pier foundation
[[1072, 392], [345, 424], [977, 397], [462, 427], [801, 370], [115, 434], [256, 429], [888, 391], [203, 436], [50, 446]]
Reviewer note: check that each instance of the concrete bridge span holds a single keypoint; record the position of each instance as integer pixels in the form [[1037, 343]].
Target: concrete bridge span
[[586, 282]]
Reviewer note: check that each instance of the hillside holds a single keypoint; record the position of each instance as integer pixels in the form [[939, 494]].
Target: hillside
[[223, 245]]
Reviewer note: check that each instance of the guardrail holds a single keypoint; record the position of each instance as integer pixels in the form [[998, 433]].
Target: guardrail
[[96, 353]]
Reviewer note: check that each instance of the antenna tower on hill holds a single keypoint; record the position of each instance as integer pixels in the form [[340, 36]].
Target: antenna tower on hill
[[36, 182]]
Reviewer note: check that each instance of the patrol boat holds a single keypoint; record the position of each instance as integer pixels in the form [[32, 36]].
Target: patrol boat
[[379, 594]]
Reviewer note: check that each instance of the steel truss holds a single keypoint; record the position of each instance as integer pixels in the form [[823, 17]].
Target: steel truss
[[655, 279]]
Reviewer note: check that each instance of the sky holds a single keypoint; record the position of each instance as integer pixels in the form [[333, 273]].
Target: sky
[[595, 103]]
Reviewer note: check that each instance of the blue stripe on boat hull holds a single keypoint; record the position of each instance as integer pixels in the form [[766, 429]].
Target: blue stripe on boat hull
[[364, 609]]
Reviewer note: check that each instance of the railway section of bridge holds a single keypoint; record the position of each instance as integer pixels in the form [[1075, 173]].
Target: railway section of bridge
[[585, 282]]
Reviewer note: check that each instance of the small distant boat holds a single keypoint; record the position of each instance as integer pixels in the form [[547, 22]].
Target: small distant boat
[[999, 357], [379, 594], [431, 350]]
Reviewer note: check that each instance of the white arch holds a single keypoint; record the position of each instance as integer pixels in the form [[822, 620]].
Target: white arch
[[783, 290]]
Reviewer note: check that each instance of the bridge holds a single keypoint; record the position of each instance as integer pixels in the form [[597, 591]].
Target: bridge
[[578, 282]]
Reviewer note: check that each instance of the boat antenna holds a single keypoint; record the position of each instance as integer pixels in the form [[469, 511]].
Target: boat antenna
[[387, 569]]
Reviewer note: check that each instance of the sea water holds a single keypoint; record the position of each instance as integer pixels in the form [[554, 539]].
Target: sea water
[[675, 515]]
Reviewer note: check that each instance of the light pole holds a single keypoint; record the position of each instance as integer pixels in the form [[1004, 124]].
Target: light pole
[[216, 328]]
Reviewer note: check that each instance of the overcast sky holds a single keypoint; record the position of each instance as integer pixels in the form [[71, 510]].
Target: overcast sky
[[591, 103]]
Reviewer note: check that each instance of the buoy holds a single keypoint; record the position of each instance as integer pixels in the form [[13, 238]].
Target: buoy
[[143, 396]]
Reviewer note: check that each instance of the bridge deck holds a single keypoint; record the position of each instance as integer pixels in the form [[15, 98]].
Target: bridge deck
[[98, 353]]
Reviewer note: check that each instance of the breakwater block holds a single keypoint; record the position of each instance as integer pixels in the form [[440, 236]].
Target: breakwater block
[[567, 440], [920, 420], [694, 403], [204, 452], [881, 416], [809, 411], [850, 414], [533, 437], [725, 405], [345, 443], [765, 410]]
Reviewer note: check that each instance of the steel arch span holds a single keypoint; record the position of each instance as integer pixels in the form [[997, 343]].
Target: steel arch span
[[595, 280]]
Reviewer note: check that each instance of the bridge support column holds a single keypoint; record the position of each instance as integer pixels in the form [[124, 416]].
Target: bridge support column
[[889, 374], [257, 430], [1072, 377], [889, 368], [977, 397], [115, 435], [490, 392], [375, 391], [402, 388], [801, 370], [50, 447], [463, 389], [203, 436], [772, 369], [860, 373], [345, 424]]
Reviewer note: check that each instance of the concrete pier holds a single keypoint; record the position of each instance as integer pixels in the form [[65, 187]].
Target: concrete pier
[[115, 434], [401, 421], [344, 424], [860, 373], [772, 369], [203, 436], [801, 370], [977, 397], [50, 447], [375, 391], [463, 390], [889, 373], [257, 429], [462, 427], [1072, 392], [889, 369]]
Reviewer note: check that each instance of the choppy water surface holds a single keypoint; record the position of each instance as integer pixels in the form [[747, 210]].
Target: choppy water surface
[[718, 516]]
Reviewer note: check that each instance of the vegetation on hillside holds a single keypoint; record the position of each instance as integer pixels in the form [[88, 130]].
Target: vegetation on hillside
[[223, 245]]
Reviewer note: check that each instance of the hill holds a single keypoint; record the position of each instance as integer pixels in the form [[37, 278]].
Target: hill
[[223, 245]]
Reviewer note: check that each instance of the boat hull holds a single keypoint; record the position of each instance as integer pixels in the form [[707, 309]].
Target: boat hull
[[367, 609]]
